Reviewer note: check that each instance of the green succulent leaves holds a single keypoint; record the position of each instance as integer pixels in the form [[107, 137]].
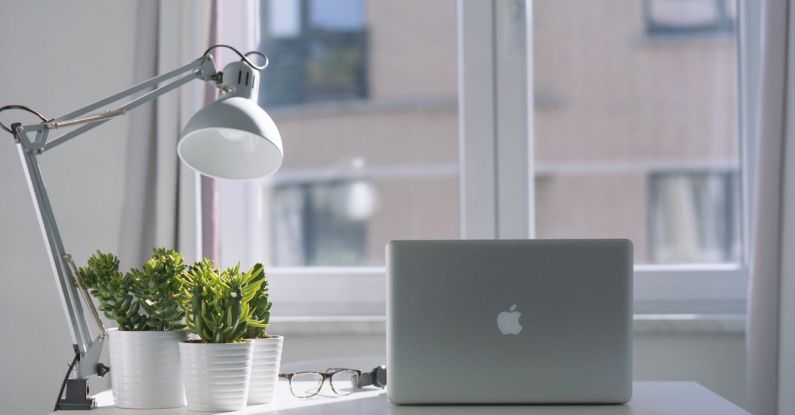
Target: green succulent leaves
[[155, 285], [260, 304], [224, 306], [166, 294], [140, 299], [113, 291]]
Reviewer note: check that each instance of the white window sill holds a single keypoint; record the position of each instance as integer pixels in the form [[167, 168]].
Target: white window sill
[[689, 323], [328, 325], [642, 323]]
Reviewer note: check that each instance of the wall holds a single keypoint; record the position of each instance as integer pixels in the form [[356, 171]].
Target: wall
[[57, 56]]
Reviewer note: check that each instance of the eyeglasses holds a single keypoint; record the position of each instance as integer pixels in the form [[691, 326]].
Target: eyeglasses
[[307, 384]]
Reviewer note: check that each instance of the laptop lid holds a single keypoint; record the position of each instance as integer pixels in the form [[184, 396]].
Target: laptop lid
[[509, 321]]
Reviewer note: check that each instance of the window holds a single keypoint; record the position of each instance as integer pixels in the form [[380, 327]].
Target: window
[[619, 153], [694, 217], [571, 127], [370, 137], [617, 136], [320, 223], [690, 17], [319, 51]]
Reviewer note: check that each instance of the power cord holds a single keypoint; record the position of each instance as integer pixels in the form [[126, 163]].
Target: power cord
[[65, 379], [243, 57], [19, 107]]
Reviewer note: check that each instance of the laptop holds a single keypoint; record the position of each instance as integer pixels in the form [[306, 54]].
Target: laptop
[[509, 321]]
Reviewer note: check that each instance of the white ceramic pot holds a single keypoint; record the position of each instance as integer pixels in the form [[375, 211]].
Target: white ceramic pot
[[265, 369], [216, 375], [145, 368]]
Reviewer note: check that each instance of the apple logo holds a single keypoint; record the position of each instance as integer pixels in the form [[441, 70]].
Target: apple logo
[[508, 321]]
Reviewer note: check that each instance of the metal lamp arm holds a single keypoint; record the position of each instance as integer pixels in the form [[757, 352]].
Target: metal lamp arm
[[62, 266], [202, 68]]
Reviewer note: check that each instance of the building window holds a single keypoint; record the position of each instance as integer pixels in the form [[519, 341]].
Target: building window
[[322, 222], [690, 17], [694, 217], [321, 48]]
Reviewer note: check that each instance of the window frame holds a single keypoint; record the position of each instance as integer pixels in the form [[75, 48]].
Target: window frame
[[486, 138], [497, 195]]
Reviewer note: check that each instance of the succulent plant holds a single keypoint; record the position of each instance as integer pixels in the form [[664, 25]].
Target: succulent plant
[[140, 299], [113, 291], [260, 304], [217, 304], [155, 286]]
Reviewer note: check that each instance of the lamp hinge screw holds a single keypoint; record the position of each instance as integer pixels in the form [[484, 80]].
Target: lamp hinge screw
[[102, 370]]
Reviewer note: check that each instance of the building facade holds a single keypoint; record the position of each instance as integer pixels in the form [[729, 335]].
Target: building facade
[[635, 130]]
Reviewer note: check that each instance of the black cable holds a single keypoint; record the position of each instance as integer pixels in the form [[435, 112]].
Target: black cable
[[19, 107], [65, 379], [262, 55], [243, 57]]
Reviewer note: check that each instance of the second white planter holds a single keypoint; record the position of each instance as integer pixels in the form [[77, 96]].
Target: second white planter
[[265, 369], [144, 368], [216, 375]]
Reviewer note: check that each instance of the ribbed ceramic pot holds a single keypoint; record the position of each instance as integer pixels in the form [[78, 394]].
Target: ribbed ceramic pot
[[265, 369], [145, 368], [216, 375]]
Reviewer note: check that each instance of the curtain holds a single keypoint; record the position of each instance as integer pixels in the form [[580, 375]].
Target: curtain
[[161, 193], [771, 313], [209, 186], [242, 234]]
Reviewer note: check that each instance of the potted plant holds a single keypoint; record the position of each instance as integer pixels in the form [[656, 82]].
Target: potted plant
[[217, 366], [267, 352], [144, 351]]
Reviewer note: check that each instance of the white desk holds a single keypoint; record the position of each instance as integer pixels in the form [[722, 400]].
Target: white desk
[[649, 398]]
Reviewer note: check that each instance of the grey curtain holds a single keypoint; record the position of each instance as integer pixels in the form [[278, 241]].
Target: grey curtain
[[139, 211], [160, 194], [771, 327]]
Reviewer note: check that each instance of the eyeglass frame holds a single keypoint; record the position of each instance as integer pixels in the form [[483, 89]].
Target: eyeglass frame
[[326, 374]]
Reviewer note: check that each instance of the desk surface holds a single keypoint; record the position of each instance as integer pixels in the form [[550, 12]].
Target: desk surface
[[649, 398]]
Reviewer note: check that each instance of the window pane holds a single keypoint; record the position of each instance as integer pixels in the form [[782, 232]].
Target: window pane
[[636, 134], [693, 217], [337, 15], [284, 18], [370, 136]]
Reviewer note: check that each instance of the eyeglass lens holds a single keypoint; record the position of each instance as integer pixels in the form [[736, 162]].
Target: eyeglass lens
[[306, 384], [344, 382]]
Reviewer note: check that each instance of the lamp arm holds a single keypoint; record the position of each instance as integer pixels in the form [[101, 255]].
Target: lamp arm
[[202, 68], [63, 268]]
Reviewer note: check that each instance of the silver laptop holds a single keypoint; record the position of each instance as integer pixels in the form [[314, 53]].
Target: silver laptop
[[509, 321]]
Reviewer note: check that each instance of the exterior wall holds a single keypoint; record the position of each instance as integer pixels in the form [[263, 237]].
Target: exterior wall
[[413, 48], [622, 95], [607, 95]]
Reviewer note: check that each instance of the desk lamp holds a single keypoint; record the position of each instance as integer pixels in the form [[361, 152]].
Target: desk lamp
[[231, 138]]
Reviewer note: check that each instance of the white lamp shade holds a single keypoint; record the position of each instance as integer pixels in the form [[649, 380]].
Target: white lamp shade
[[232, 138]]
